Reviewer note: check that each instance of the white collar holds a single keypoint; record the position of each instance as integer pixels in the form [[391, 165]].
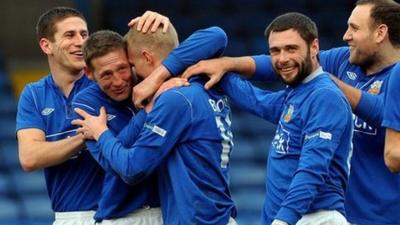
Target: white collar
[[313, 75]]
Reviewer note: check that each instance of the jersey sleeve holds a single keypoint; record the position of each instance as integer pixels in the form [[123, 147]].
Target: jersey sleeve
[[202, 44], [171, 115], [370, 108], [331, 59], [325, 122], [264, 70], [130, 132], [262, 103], [82, 102], [28, 113], [391, 114]]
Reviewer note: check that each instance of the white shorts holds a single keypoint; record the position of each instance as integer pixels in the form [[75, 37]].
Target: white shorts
[[150, 216], [74, 218], [232, 221], [323, 217]]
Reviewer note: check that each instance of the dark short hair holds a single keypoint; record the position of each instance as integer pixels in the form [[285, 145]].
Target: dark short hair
[[46, 25], [101, 43], [385, 12], [296, 21]]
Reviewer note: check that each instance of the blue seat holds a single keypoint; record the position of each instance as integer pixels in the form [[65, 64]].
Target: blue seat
[[247, 175], [29, 183], [37, 207], [9, 152], [9, 208], [5, 184], [248, 218], [7, 128], [249, 200]]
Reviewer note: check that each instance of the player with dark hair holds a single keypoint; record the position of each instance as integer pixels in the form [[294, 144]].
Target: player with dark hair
[[46, 138], [363, 71], [186, 137]]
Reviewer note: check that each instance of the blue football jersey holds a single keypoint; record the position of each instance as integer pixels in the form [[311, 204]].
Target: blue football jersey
[[188, 137], [308, 161], [74, 184], [366, 203], [117, 198]]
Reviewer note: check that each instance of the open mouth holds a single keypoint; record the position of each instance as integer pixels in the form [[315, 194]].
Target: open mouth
[[77, 53]]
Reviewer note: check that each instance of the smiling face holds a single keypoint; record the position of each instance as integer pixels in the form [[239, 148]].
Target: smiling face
[[360, 36], [113, 74], [66, 48], [291, 56]]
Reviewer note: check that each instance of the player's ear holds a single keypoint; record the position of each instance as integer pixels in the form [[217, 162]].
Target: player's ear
[[45, 45], [89, 72], [148, 56], [314, 48]]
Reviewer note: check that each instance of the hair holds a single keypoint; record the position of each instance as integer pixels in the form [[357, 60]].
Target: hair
[[385, 12], [158, 42], [296, 21], [101, 43], [46, 25]]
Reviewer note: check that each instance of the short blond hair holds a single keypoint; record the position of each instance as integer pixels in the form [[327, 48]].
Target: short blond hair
[[158, 42]]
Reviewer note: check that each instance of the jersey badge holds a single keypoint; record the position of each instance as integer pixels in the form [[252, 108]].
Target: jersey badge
[[375, 87], [289, 114]]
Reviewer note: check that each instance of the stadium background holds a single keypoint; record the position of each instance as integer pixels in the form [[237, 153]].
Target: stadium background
[[23, 197]]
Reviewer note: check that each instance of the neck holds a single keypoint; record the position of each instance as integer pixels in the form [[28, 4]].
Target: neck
[[64, 78], [385, 57]]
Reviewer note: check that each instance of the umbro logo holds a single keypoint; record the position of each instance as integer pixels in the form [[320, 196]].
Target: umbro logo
[[47, 111], [351, 75], [110, 117]]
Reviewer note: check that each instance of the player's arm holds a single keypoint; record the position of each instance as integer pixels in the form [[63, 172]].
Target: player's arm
[[34, 151], [37, 153], [262, 103], [252, 67], [170, 116], [202, 44], [391, 121], [367, 106], [392, 150], [332, 59], [127, 136], [86, 101], [321, 140]]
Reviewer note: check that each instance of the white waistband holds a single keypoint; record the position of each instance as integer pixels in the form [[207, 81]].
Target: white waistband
[[75, 215], [145, 211]]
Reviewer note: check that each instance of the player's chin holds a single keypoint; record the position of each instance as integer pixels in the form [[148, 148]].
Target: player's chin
[[120, 96]]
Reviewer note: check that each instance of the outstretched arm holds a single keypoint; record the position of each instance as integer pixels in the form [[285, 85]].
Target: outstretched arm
[[367, 106], [262, 103], [202, 44]]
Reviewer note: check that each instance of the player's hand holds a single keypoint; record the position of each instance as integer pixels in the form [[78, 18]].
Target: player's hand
[[213, 68], [144, 91], [150, 19], [171, 83], [91, 126]]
